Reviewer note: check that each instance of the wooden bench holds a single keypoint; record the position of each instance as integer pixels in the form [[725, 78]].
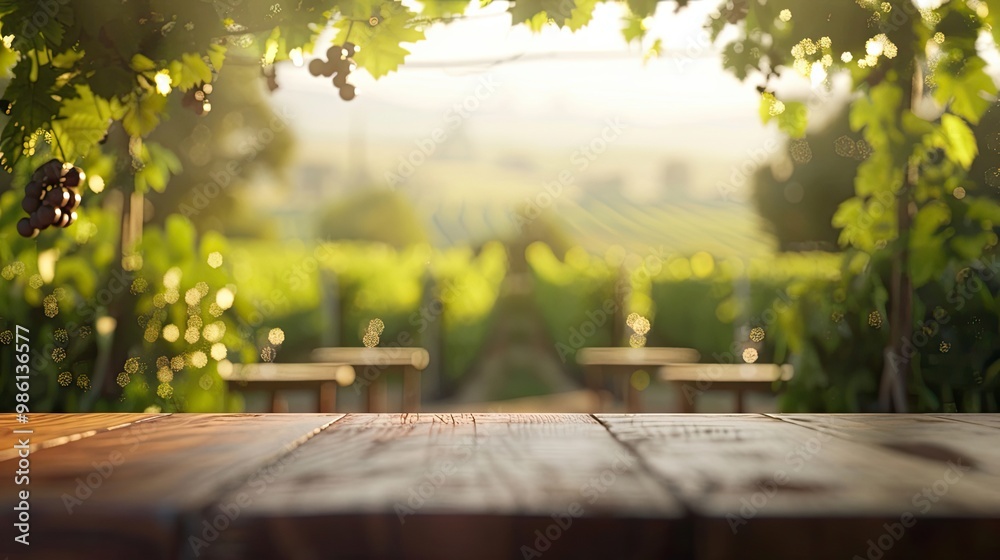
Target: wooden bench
[[622, 362], [323, 378], [693, 379], [370, 365], [501, 486]]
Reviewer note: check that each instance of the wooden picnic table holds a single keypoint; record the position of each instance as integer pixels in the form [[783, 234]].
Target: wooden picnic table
[[371, 365], [622, 362], [499, 486], [321, 378], [692, 380]]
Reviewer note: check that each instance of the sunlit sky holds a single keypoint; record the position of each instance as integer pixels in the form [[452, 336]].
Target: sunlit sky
[[561, 86], [553, 91]]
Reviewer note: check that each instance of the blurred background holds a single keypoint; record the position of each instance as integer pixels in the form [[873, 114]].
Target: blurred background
[[504, 200]]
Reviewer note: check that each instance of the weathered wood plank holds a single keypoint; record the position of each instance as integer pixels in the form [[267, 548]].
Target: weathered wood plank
[[924, 438], [451, 486], [49, 429], [785, 490], [130, 485], [513, 486], [991, 420]]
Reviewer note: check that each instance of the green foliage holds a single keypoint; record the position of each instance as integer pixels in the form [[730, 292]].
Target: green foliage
[[89, 66], [373, 215], [181, 312], [929, 165], [563, 13], [791, 117], [569, 292], [157, 164], [381, 51], [417, 292], [83, 120]]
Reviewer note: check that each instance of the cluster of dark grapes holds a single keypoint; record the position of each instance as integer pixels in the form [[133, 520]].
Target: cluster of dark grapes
[[196, 99], [50, 198], [339, 64]]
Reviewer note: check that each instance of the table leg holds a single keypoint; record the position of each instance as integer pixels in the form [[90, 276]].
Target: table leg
[[685, 397], [411, 389], [592, 377], [632, 404], [278, 402], [740, 404], [377, 394], [328, 397]]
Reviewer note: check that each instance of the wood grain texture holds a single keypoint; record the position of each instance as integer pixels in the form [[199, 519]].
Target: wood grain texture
[[926, 440], [497, 486], [457, 486], [991, 420], [133, 483], [785, 490], [51, 429]]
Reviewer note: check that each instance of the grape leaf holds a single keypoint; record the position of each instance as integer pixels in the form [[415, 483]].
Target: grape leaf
[[159, 164], [993, 20], [642, 8], [583, 13], [655, 50], [792, 117], [30, 20], [878, 173], [217, 55], [983, 209], [438, 8], [559, 11], [966, 90], [927, 242], [970, 247], [8, 58], [960, 141], [846, 218], [142, 63], [380, 51], [33, 108], [634, 28], [142, 113], [32, 96], [359, 9], [189, 71], [876, 115], [82, 123]]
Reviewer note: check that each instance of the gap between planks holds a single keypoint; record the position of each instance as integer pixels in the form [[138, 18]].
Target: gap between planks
[[664, 482]]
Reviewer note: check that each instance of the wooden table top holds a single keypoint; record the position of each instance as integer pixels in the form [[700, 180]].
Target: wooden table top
[[645, 356], [485, 486], [377, 356], [727, 373], [343, 374]]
